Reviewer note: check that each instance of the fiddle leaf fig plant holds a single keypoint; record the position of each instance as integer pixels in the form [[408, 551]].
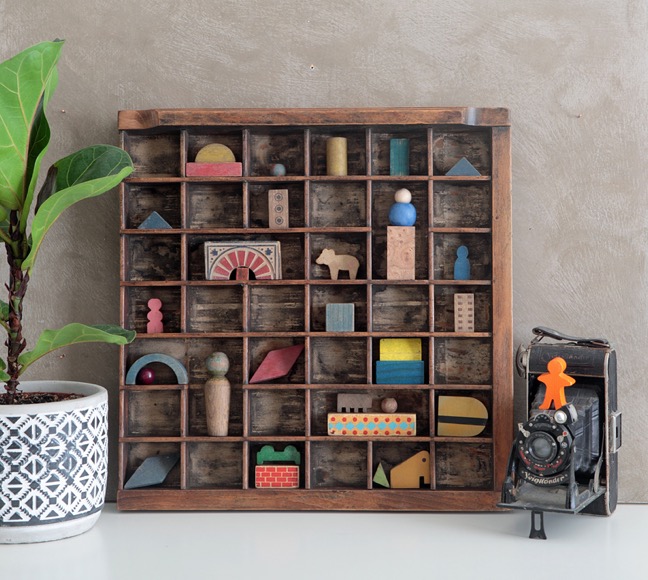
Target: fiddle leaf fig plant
[[27, 82]]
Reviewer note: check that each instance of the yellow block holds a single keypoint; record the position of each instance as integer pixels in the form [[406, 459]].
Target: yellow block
[[460, 416], [215, 153], [400, 349]]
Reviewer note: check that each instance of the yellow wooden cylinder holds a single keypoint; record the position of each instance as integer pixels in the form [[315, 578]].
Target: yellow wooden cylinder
[[336, 156]]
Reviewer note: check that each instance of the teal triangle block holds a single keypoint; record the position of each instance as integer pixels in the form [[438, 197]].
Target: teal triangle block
[[464, 168], [154, 222]]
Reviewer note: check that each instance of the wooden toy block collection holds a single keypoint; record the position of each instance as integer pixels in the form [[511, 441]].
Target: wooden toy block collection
[[322, 301]]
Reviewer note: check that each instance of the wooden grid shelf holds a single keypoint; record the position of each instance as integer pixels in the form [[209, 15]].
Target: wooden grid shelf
[[247, 318]]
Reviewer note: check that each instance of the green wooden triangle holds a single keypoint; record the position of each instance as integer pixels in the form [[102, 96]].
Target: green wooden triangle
[[380, 478]]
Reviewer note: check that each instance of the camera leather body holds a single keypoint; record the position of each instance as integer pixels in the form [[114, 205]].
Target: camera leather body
[[595, 435]]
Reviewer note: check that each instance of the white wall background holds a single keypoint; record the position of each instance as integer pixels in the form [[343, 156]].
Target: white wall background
[[574, 75]]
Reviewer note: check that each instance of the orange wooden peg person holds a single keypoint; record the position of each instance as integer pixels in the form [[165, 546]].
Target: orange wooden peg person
[[556, 381]]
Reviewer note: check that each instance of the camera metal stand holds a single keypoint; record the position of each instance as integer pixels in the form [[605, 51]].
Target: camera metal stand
[[537, 526]]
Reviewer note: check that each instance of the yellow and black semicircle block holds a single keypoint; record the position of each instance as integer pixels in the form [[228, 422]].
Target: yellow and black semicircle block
[[460, 416]]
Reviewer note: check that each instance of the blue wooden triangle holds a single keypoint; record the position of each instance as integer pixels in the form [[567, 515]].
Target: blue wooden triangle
[[463, 167], [154, 222]]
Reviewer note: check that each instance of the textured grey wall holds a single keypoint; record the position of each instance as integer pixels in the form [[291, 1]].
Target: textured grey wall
[[574, 74]]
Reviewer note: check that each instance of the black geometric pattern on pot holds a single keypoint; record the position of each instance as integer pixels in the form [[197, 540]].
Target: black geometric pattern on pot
[[53, 467]]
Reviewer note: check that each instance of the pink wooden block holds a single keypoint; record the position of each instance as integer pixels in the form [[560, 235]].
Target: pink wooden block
[[277, 363], [234, 168], [154, 317]]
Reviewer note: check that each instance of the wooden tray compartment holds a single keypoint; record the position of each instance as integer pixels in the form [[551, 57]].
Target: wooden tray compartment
[[277, 413], [399, 306], [338, 204], [268, 147], [214, 465], [462, 205], [152, 257], [277, 308], [248, 318], [450, 146], [196, 140], [463, 465], [356, 149], [321, 295], [444, 315], [338, 360], [154, 154], [338, 465], [214, 308], [137, 452], [136, 303], [418, 150], [258, 196], [144, 198], [214, 205]]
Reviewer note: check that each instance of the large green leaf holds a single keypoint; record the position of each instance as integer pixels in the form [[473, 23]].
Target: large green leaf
[[38, 144], [84, 174], [74, 333], [26, 82]]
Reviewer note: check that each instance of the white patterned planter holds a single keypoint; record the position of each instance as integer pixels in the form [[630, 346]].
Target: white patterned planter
[[53, 463]]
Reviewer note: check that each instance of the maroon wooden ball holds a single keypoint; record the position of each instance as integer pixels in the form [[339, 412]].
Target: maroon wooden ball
[[146, 376]]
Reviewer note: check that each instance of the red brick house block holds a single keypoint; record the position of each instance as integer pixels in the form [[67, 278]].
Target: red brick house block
[[276, 476]]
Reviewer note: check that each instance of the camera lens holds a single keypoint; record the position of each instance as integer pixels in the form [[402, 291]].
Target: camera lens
[[542, 447]]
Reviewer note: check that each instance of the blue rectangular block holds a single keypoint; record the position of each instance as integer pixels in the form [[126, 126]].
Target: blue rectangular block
[[400, 372], [399, 157], [340, 318]]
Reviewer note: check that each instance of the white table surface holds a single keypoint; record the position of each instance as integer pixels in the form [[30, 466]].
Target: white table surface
[[313, 545]]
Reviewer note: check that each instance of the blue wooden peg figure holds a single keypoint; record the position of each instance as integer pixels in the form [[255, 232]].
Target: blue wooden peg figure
[[462, 264]]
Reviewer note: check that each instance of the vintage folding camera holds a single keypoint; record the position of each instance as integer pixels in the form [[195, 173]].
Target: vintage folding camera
[[564, 457]]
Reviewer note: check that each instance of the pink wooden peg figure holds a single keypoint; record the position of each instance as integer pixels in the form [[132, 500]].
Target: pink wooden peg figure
[[154, 316]]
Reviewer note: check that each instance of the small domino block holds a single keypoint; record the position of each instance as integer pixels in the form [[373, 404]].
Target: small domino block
[[464, 310], [234, 169], [400, 349], [393, 372], [340, 317], [400, 252], [278, 209], [372, 424]]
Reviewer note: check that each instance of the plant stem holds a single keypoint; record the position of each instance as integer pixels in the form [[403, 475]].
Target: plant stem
[[17, 287]]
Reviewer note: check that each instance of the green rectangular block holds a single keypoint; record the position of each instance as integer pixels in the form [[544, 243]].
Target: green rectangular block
[[340, 318], [396, 372]]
